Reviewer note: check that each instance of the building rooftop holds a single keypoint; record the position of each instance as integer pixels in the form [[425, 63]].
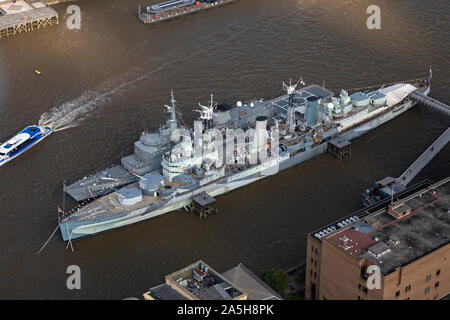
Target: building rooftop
[[390, 242], [351, 241], [200, 281], [196, 282], [165, 292], [251, 284]]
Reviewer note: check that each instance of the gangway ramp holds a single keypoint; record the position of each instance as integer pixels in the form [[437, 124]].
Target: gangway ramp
[[426, 100], [424, 158]]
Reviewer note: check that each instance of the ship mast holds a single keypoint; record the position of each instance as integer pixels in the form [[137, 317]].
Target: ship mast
[[172, 110], [290, 89]]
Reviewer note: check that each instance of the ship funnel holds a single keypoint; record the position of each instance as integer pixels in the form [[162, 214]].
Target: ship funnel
[[311, 110], [261, 132]]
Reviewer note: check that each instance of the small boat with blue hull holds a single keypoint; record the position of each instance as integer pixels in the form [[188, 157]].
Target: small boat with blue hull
[[21, 142]]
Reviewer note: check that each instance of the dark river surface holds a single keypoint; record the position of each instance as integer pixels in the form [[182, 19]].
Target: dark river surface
[[110, 80]]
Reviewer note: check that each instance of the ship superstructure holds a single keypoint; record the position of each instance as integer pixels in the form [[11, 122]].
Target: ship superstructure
[[148, 151], [274, 135]]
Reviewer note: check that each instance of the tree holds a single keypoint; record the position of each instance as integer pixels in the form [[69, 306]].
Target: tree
[[276, 278]]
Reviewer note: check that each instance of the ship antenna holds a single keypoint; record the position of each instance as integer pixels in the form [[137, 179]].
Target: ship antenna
[[64, 195], [172, 108], [392, 194], [290, 89], [173, 102]]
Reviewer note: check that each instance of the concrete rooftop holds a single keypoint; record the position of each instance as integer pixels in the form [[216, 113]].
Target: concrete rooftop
[[391, 242]]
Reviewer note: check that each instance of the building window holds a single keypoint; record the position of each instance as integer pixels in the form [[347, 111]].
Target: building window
[[315, 263], [397, 293], [408, 288], [428, 277], [438, 272], [359, 286], [436, 284], [316, 250], [364, 289], [312, 260], [427, 289], [312, 249], [315, 274], [310, 272], [435, 296]]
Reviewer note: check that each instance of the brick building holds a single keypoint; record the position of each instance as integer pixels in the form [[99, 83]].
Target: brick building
[[407, 240]]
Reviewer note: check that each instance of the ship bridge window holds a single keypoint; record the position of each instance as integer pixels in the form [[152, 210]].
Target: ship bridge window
[[2, 153]]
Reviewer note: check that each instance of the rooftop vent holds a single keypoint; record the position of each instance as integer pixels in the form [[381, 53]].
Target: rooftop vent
[[380, 249], [399, 210], [395, 240]]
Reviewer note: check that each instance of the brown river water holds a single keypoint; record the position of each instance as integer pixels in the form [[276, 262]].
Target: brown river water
[[104, 84]]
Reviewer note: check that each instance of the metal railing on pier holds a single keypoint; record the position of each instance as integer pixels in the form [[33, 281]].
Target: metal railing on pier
[[426, 100]]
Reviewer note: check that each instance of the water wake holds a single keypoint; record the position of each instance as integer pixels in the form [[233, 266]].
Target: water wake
[[70, 113]]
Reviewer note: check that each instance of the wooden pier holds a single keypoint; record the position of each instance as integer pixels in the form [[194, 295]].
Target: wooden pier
[[149, 18], [204, 205], [340, 148], [24, 16]]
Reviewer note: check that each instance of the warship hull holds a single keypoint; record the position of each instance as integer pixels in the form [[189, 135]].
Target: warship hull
[[72, 229]]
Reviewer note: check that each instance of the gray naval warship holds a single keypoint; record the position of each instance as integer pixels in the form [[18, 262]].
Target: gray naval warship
[[148, 151], [289, 130]]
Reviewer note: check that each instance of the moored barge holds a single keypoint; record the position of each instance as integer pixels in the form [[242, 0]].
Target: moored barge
[[176, 8]]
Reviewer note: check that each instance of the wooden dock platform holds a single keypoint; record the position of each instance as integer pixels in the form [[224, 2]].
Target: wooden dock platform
[[340, 148], [24, 16], [148, 18], [204, 205]]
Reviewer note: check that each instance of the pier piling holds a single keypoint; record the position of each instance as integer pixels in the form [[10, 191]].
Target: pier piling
[[24, 16]]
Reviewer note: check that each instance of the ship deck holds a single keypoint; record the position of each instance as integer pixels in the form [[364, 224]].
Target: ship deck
[[109, 206], [282, 103]]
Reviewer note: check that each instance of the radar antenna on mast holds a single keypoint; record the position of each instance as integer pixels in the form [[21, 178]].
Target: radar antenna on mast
[[206, 112], [172, 109], [291, 89]]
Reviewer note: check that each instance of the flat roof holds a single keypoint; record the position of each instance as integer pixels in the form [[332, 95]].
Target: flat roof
[[351, 241], [212, 285], [340, 142], [239, 276], [409, 238], [203, 199], [165, 292], [424, 230]]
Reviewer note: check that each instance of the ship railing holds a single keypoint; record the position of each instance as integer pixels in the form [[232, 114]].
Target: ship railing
[[94, 171], [377, 86]]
